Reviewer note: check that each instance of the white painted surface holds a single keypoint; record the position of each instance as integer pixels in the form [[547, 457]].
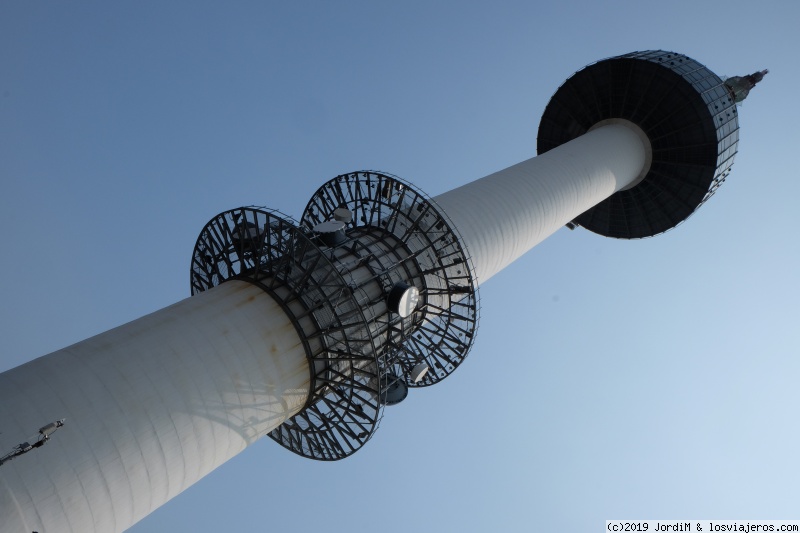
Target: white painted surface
[[151, 407], [505, 214], [408, 302], [648, 148]]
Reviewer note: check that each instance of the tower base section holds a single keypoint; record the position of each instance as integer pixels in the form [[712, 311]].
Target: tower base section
[[151, 407]]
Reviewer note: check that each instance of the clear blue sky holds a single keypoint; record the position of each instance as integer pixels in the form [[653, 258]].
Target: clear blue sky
[[610, 379]]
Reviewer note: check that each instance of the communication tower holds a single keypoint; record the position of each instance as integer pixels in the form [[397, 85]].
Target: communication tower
[[306, 330]]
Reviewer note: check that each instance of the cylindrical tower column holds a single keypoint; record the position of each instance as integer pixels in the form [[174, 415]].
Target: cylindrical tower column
[[151, 407], [505, 214]]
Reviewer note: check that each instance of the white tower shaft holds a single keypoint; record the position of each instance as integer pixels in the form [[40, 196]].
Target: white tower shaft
[[151, 407], [156, 404], [505, 214]]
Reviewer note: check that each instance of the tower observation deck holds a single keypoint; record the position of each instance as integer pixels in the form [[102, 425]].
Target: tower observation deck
[[305, 330]]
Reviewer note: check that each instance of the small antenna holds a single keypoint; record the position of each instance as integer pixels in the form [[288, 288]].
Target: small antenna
[[24, 447]]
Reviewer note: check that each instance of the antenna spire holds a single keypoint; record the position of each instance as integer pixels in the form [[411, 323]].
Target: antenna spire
[[740, 86]]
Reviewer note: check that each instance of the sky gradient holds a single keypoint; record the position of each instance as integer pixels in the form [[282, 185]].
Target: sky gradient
[[610, 379]]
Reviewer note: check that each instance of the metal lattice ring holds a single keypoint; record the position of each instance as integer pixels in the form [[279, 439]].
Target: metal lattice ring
[[448, 289], [266, 248]]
